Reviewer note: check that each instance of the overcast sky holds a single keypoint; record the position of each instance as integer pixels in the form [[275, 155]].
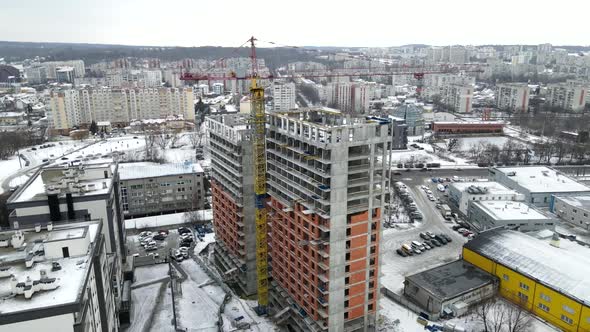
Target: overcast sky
[[297, 22]]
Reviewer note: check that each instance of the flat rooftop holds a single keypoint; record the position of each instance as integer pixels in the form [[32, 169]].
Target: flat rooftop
[[70, 279], [510, 210], [542, 179], [452, 279], [580, 201], [140, 170], [491, 186], [565, 268], [35, 188]]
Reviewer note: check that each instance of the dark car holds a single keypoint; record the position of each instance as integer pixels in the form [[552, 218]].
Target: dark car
[[441, 239], [185, 244], [435, 242], [397, 173], [401, 253], [456, 227], [448, 238], [183, 230], [159, 237]]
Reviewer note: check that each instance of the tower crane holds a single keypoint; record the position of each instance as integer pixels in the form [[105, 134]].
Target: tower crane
[[258, 121]]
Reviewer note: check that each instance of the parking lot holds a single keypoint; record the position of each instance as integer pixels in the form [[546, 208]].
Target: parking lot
[[163, 246], [395, 267]]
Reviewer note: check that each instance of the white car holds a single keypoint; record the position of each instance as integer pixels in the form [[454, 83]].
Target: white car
[[430, 197], [424, 187]]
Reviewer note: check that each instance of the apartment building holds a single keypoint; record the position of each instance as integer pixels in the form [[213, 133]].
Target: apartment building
[[513, 96], [62, 284], [232, 188], [570, 95], [458, 97], [283, 95], [326, 184], [434, 84], [36, 75], [148, 188], [351, 97], [58, 195], [53, 66], [79, 107]]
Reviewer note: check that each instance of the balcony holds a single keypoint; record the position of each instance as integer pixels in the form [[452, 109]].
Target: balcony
[[323, 301], [323, 277]]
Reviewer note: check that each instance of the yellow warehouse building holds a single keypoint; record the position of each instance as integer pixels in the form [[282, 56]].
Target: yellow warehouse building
[[551, 282]]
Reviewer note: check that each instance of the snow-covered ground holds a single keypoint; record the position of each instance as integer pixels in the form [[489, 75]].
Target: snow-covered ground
[[8, 167], [237, 308], [149, 273], [396, 318], [425, 156], [197, 307]]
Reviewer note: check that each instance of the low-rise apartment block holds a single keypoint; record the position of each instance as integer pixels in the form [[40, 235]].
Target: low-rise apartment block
[[149, 188]]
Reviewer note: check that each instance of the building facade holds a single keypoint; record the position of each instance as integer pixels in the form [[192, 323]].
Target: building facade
[[570, 95], [513, 96], [326, 187], [79, 107], [36, 75], [413, 115], [548, 281], [148, 188], [283, 95], [574, 209], [468, 127], [537, 183], [458, 97], [513, 215], [232, 187], [57, 195], [461, 194]]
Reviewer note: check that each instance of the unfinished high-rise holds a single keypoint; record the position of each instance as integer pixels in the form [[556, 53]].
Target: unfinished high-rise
[[326, 182], [232, 187]]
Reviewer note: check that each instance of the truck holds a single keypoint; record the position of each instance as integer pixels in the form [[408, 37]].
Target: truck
[[445, 210]]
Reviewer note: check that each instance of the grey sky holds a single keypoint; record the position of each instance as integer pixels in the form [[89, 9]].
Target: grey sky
[[300, 22]]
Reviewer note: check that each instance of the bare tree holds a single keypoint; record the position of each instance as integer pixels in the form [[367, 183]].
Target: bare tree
[[517, 318], [174, 138], [162, 139], [195, 138], [452, 144]]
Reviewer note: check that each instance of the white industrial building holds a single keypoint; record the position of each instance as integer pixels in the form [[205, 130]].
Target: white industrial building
[[56, 278], [537, 183], [574, 209], [516, 215], [461, 193]]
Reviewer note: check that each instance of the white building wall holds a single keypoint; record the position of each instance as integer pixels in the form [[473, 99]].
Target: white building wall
[[572, 214], [60, 323]]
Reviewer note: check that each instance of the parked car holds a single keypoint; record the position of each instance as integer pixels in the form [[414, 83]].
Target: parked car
[[159, 237], [436, 243], [183, 230], [424, 236], [418, 245], [441, 239], [448, 238], [407, 249], [401, 253], [151, 248], [177, 256], [185, 244], [430, 234], [426, 245]]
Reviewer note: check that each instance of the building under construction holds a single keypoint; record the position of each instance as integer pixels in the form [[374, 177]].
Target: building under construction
[[326, 185], [232, 186]]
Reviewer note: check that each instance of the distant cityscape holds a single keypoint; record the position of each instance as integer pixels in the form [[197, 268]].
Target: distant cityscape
[[285, 188]]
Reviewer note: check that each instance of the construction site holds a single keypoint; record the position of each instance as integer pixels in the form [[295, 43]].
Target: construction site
[[297, 203]]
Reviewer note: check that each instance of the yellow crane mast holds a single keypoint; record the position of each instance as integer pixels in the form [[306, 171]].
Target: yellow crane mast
[[259, 127]]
